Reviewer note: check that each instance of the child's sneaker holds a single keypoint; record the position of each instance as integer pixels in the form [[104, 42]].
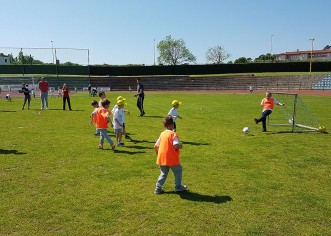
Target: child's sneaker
[[100, 146], [182, 188], [120, 144], [159, 191]]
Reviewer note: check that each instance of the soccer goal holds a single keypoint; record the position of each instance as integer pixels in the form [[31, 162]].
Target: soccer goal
[[294, 114]]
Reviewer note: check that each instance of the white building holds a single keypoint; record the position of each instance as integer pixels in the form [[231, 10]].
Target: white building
[[4, 60], [317, 55]]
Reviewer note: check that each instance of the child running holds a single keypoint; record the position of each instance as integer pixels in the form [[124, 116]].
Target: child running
[[174, 113], [102, 119], [167, 149]]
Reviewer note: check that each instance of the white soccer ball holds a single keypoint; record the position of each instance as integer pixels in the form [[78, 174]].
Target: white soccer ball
[[290, 121], [246, 130]]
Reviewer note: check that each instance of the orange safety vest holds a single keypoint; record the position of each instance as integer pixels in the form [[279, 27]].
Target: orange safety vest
[[268, 104], [167, 154], [101, 118]]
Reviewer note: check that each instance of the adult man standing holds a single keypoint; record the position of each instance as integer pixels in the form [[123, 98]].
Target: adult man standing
[[140, 97], [43, 86]]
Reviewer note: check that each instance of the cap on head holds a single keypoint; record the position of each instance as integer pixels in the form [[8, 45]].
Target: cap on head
[[175, 102], [120, 102], [120, 98]]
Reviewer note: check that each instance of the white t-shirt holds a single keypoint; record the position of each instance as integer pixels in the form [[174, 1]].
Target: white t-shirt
[[119, 115], [173, 112]]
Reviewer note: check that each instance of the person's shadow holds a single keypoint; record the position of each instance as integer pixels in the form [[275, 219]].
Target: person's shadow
[[15, 152], [197, 197]]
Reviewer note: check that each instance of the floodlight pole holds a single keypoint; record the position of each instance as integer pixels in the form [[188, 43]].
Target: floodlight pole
[[52, 50], [311, 54], [154, 52], [271, 46]]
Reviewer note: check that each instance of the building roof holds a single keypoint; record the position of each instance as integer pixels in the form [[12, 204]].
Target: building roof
[[305, 52]]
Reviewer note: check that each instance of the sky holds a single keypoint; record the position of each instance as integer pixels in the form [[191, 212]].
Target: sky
[[121, 32]]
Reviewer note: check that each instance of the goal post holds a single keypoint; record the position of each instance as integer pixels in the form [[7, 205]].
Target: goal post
[[295, 114]]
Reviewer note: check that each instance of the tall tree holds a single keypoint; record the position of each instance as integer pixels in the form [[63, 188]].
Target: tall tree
[[173, 52], [216, 55]]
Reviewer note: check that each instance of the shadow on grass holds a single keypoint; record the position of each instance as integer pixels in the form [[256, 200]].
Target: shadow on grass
[[2, 151], [297, 132], [138, 147], [141, 141], [197, 197], [193, 143], [127, 152], [161, 117], [6, 111]]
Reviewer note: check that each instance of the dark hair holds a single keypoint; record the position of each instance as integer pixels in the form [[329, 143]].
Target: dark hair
[[168, 121], [100, 93], [94, 103], [105, 102]]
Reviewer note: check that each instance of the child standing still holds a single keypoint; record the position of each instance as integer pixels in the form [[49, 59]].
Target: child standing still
[[118, 122], [102, 119], [167, 149], [174, 113], [113, 111]]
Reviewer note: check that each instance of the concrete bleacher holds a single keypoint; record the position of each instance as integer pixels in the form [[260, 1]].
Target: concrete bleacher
[[176, 83]]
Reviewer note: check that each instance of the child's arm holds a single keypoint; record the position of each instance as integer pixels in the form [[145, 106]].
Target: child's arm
[[178, 146], [156, 146], [116, 120], [127, 111]]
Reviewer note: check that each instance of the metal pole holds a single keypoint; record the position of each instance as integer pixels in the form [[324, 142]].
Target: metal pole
[[311, 54], [154, 52], [271, 47], [52, 50]]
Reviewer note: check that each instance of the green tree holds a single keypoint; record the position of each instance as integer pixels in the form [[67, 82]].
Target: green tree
[[174, 52], [243, 60], [216, 55], [265, 57]]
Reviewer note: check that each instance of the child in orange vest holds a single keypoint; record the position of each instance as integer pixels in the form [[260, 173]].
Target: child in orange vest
[[167, 149], [267, 104], [101, 120]]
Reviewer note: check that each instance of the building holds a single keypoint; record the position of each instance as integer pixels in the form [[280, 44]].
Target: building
[[317, 55], [4, 60]]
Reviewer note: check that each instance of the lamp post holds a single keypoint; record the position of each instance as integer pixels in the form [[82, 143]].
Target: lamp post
[[311, 54], [52, 50], [271, 46], [154, 52]]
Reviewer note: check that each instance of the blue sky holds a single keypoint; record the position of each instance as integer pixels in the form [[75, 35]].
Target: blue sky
[[123, 31]]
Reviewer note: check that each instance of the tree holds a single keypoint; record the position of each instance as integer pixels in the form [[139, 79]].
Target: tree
[[216, 55], [173, 52], [265, 57], [243, 60]]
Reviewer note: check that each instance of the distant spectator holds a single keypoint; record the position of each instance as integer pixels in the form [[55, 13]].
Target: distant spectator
[[43, 86], [27, 96], [65, 96], [89, 90]]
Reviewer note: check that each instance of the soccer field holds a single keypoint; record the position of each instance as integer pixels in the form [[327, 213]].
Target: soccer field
[[55, 181]]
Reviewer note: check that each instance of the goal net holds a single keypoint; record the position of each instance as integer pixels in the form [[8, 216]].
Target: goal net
[[295, 114]]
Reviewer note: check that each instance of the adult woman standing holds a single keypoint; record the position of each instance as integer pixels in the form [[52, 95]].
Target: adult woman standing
[[65, 96]]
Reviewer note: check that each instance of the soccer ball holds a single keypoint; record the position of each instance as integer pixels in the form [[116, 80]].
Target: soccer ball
[[290, 121], [246, 130]]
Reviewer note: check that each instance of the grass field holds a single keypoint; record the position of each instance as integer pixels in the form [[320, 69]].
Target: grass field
[[55, 181]]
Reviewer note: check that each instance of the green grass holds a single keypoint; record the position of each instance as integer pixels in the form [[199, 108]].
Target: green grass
[[55, 181]]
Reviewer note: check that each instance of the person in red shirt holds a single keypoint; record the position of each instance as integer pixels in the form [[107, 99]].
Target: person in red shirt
[[267, 105], [167, 149], [65, 96], [43, 86]]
